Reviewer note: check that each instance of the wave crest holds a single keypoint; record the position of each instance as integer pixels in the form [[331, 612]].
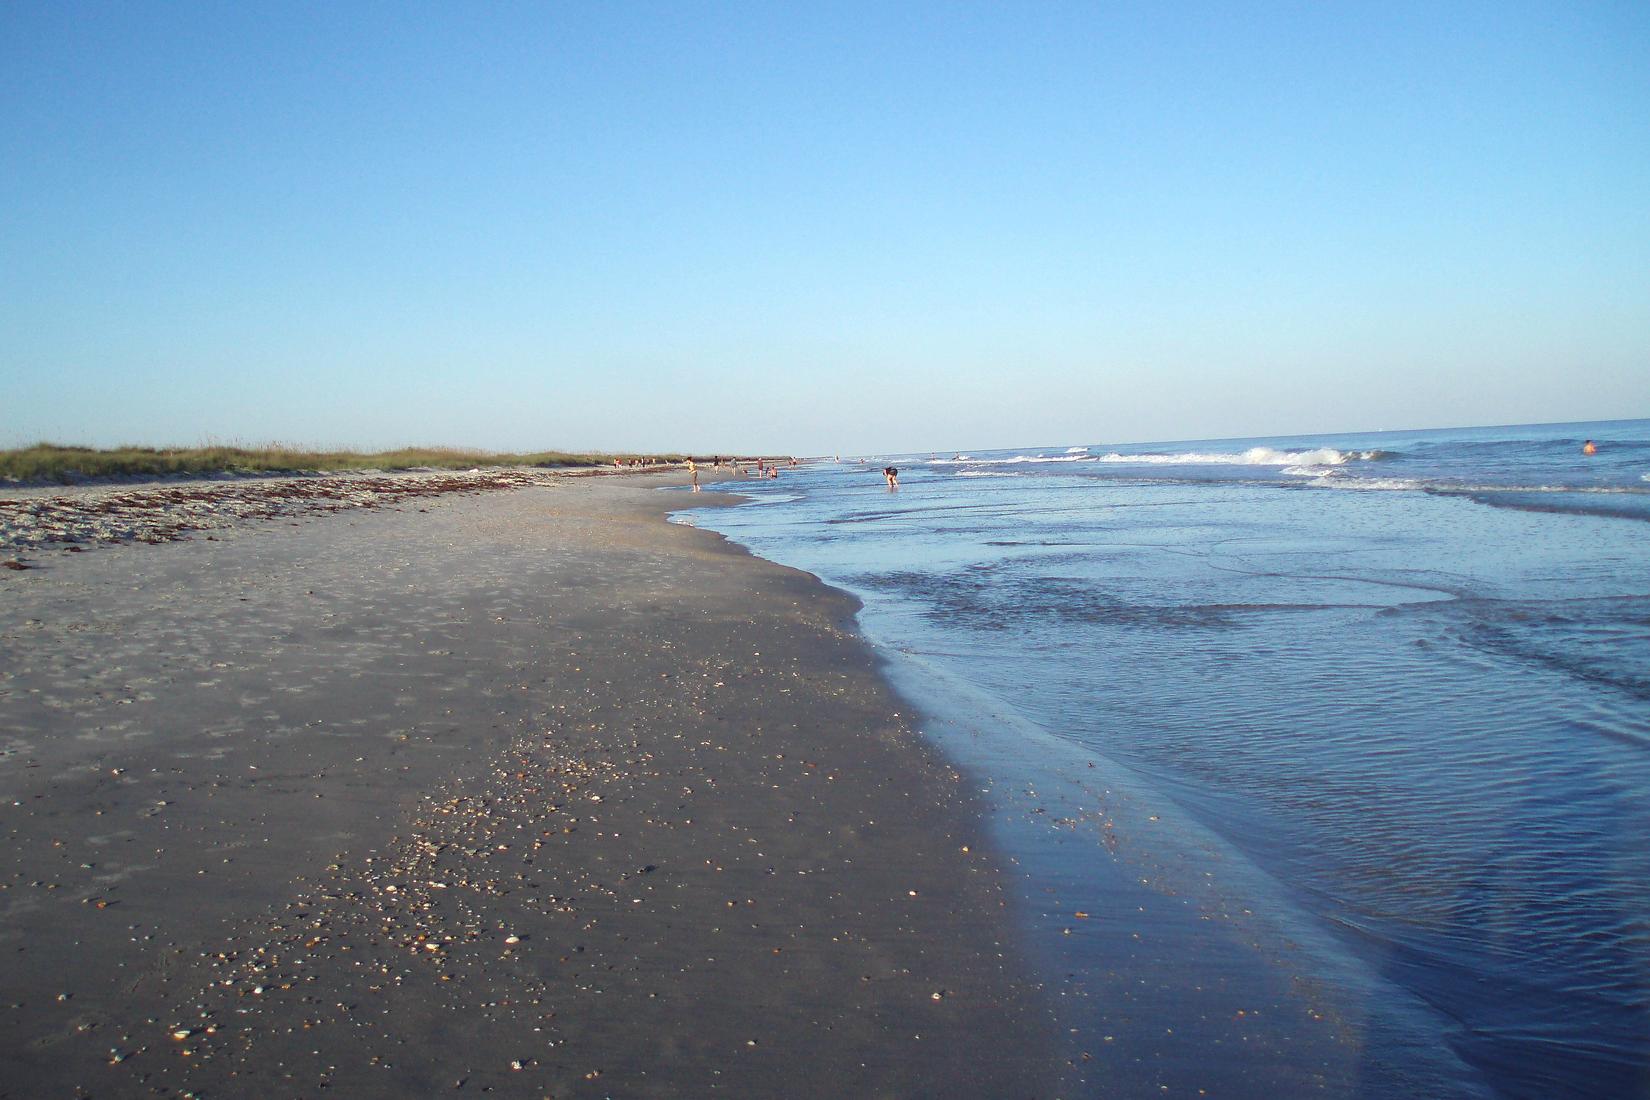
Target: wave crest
[[1254, 456]]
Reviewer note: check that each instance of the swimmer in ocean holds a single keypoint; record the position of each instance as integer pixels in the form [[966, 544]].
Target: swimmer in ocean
[[1589, 448]]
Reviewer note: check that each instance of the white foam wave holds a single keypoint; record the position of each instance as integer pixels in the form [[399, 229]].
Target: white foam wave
[[1077, 450], [1607, 489], [1325, 480], [1014, 461], [1328, 480], [1084, 457], [987, 473], [1254, 456]]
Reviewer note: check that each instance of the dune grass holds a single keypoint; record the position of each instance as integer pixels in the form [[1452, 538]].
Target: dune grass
[[55, 462]]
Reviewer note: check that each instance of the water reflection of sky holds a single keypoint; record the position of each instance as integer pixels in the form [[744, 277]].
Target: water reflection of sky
[[1427, 719]]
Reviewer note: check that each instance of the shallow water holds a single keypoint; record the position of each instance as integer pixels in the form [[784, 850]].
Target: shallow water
[[1416, 713]]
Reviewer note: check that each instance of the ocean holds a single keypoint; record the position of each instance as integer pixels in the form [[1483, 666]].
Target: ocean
[[1322, 762]]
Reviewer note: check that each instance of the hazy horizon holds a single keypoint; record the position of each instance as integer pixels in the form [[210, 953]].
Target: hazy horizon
[[734, 451]]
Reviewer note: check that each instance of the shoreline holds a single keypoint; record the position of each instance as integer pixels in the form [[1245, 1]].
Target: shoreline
[[1181, 966], [533, 791]]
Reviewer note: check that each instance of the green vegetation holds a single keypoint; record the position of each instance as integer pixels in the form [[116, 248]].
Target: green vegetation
[[51, 462]]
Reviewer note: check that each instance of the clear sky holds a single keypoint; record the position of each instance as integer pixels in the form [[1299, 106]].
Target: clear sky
[[818, 228]]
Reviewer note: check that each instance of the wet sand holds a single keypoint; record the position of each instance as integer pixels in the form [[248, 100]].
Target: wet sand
[[525, 791]]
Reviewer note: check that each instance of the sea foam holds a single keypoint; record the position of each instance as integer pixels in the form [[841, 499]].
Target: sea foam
[[1254, 456]]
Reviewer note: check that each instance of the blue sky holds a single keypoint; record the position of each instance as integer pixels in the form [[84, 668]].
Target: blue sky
[[818, 228]]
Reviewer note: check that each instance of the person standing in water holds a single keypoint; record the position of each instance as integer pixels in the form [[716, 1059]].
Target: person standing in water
[[892, 475], [693, 472], [1589, 448]]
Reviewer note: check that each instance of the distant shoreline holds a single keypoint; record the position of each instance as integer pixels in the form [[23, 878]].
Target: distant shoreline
[[52, 463]]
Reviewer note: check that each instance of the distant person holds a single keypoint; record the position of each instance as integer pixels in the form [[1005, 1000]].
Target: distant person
[[693, 472], [1589, 448], [892, 475]]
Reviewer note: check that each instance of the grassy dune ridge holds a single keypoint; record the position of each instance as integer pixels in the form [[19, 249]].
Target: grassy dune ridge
[[56, 462]]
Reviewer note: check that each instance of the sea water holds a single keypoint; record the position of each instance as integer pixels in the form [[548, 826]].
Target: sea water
[[1392, 691]]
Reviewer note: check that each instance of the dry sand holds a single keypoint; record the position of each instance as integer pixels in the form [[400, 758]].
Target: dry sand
[[526, 791]]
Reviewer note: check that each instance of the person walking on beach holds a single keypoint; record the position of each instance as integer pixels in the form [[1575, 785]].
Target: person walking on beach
[[892, 475], [693, 472]]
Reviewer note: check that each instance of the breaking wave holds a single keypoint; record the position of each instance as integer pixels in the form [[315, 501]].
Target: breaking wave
[[1254, 456], [1014, 461]]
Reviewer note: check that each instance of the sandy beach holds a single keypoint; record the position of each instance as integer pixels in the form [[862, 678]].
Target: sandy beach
[[525, 790]]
